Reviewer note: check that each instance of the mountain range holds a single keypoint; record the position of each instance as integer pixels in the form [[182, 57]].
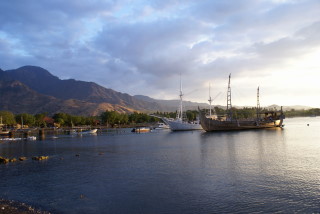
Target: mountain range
[[32, 89]]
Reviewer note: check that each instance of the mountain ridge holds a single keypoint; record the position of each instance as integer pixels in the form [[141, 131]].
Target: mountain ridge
[[19, 98], [43, 82]]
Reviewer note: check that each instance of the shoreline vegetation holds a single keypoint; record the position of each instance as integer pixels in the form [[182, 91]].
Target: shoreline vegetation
[[40, 126], [113, 119]]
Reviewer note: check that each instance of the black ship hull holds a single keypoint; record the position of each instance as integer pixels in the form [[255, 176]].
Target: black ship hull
[[210, 125]]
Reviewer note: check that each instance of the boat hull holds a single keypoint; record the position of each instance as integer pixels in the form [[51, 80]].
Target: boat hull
[[162, 126], [211, 125], [178, 125], [141, 129]]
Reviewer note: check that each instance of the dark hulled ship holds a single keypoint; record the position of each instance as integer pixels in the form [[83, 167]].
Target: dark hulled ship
[[266, 119]]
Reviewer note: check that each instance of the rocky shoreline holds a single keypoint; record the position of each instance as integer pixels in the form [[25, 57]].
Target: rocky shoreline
[[13, 207], [4, 160]]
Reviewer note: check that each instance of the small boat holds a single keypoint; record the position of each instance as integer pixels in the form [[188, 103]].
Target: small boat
[[180, 123], [268, 119], [93, 131], [141, 129], [18, 138], [162, 126], [32, 138], [4, 132]]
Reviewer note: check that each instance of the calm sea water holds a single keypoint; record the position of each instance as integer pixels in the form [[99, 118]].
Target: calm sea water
[[267, 171]]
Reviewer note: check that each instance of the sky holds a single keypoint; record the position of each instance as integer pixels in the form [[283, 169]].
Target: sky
[[144, 46]]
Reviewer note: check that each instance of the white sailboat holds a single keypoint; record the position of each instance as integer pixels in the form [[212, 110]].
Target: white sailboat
[[180, 123]]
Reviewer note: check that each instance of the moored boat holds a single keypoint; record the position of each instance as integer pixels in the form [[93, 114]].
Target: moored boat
[[162, 126], [141, 129], [180, 123], [267, 119], [92, 131], [6, 132], [18, 138]]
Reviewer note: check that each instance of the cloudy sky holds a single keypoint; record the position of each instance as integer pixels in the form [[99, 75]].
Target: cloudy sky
[[142, 46]]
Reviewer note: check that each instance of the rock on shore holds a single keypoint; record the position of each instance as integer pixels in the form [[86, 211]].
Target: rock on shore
[[12, 207], [39, 158]]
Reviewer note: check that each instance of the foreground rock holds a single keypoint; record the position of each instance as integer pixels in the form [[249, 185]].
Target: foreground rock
[[39, 158], [22, 158], [4, 160], [12, 207]]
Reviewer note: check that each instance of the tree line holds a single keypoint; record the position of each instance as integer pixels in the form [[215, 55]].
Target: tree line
[[113, 118], [251, 112], [109, 118], [303, 113], [43, 120]]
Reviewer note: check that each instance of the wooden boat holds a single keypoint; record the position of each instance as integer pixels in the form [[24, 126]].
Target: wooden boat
[[268, 119]]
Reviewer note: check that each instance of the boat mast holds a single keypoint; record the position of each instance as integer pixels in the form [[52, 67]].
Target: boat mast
[[258, 105], [180, 111], [210, 101], [229, 105]]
